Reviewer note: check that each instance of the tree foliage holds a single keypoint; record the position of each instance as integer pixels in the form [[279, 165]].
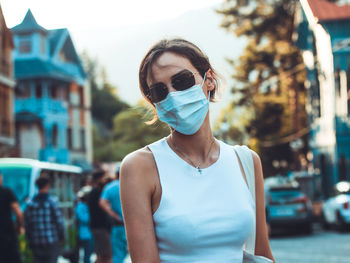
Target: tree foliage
[[118, 129], [269, 74], [130, 131], [105, 101], [105, 105]]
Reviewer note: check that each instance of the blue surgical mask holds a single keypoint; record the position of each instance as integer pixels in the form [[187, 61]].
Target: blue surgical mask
[[185, 110]]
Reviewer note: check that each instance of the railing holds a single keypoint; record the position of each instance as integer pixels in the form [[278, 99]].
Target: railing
[[40, 106], [54, 155]]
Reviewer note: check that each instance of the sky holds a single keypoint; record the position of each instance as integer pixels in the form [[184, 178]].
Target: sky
[[92, 14], [118, 33]]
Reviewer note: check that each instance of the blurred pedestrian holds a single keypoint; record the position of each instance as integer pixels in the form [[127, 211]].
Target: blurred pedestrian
[[44, 224], [9, 251], [83, 221], [185, 197], [110, 203], [100, 223]]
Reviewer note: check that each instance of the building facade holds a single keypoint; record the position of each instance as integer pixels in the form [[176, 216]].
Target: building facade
[[52, 98], [324, 37], [7, 84]]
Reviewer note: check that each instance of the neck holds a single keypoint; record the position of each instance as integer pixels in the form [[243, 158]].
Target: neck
[[200, 147]]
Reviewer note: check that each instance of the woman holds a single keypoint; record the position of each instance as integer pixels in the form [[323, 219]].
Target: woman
[[185, 197]]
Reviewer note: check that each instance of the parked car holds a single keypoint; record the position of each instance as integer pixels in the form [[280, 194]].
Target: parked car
[[336, 210], [287, 207]]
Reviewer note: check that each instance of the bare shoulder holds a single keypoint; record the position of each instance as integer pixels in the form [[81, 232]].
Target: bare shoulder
[[256, 159], [138, 165], [258, 171]]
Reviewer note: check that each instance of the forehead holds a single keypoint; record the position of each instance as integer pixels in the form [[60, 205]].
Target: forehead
[[166, 66]]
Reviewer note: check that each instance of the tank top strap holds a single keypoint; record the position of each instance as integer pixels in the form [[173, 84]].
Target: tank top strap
[[160, 153]]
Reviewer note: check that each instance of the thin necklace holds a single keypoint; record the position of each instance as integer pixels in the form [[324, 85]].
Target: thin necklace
[[189, 159]]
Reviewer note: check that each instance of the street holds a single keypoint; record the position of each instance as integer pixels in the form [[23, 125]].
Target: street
[[321, 247]]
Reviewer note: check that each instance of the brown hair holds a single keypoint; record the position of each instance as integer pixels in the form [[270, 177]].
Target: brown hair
[[180, 47], [42, 181]]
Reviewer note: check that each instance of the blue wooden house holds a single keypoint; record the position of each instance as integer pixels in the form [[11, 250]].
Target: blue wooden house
[[324, 37], [52, 99]]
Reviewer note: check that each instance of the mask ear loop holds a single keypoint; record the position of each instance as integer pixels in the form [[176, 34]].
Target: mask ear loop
[[205, 75]]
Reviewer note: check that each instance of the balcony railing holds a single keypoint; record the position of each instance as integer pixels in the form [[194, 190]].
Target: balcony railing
[[41, 106], [54, 155]]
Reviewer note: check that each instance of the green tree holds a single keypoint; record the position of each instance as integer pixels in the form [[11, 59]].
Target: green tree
[[105, 100], [269, 75], [130, 131], [105, 105]]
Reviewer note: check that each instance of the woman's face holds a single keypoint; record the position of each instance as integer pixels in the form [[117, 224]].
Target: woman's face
[[169, 64]]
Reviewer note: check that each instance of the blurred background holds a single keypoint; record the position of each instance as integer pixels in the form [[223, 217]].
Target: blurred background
[[69, 95]]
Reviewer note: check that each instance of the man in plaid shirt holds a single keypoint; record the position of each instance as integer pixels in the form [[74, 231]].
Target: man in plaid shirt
[[44, 224]]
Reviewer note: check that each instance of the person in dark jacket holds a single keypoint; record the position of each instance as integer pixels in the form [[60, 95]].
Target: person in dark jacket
[[44, 224], [9, 251], [100, 222]]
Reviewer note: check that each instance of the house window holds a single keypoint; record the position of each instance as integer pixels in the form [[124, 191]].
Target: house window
[[25, 46], [82, 137], [81, 96], [69, 138], [54, 91], [63, 56], [38, 90], [55, 136], [22, 91], [4, 111], [42, 46]]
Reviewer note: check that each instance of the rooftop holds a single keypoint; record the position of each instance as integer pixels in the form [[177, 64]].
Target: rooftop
[[28, 25], [327, 11], [40, 68]]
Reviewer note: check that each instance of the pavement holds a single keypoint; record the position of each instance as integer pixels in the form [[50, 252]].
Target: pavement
[[322, 246]]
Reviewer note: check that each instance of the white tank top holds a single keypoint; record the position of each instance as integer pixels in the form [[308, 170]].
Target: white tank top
[[202, 217]]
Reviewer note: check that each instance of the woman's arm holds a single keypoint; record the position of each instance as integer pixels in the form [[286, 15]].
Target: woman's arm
[[137, 185], [262, 246]]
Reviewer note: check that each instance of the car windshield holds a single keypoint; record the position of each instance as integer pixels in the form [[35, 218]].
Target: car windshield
[[17, 179]]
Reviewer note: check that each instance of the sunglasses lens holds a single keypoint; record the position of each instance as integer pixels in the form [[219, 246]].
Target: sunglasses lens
[[183, 80], [158, 92]]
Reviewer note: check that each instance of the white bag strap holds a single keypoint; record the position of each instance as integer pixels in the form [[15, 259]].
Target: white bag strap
[[246, 158]]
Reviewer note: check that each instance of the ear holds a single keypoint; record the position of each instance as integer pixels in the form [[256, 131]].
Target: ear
[[210, 80]]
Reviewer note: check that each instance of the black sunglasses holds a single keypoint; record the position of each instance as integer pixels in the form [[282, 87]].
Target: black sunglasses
[[180, 81]]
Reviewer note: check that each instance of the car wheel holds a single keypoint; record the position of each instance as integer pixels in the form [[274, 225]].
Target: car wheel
[[307, 228], [324, 223], [340, 222]]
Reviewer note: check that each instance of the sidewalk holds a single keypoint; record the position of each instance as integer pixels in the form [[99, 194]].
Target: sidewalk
[[93, 258]]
